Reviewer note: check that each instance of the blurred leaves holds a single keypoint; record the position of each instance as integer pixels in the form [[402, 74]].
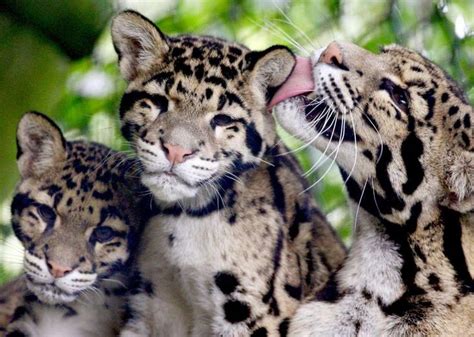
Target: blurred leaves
[[71, 25]]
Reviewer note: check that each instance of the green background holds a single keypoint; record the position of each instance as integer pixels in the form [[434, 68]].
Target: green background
[[56, 56]]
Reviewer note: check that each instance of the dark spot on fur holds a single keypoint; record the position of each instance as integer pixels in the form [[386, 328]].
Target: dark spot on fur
[[221, 102], [269, 297], [357, 327], [236, 311], [434, 282], [233, 98], [235, 51], [199, 72], [381, 170], [253, 140], [181, 89], [366, 294], [419, 253], [452, 247], [228, 72], [20, 312], [260, 332], [444, 97], [208, 93], [457, 124], [177, 51], [467, 121], [411, 151], [226, 282], [148, 287], [216, 81], [294, 291], [368, 154], [465, 138], [412, 221], [283, 327], [197, 53], [453, 110], [181, 66], [330, 293], [232, 218], [368, 119], [70, 312], [214, 61]]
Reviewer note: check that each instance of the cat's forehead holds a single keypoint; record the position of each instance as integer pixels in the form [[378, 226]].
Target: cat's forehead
[[199, 62], [206, 50], [206, 72]]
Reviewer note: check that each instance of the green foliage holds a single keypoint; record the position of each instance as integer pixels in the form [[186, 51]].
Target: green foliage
[[83, 95]]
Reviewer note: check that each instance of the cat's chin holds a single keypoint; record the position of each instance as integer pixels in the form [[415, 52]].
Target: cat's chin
[[168, 188], [50, 294]]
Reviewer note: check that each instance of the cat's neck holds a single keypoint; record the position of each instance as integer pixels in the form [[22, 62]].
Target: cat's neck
[[385, 257]]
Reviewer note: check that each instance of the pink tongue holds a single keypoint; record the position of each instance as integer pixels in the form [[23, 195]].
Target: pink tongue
[[300, 82]]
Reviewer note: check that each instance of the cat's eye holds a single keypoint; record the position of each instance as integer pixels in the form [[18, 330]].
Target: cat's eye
[[103, 234], [221, 120], [47, 214], [144, 105], [398, 95]]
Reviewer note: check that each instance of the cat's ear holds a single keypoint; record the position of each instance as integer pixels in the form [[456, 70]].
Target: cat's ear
[[41, 146], [270, 68], [138, 42], [460, 181]]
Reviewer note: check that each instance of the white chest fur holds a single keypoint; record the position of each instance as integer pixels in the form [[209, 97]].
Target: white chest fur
[[188, 250]]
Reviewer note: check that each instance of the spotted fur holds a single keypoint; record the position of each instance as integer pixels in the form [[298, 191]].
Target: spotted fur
[[73, 207], [236, 244], [11, 295], [402, 131]]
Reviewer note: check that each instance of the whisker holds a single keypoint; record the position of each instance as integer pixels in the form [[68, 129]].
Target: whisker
[[354, 226]]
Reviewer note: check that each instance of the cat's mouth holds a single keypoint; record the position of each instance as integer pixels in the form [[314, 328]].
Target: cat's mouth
[[313, 109], [168, 186], [50, 293]]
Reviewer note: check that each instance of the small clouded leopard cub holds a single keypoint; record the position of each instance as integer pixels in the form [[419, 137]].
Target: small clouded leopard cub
[[409, 128], [78, 220], [236, 245]]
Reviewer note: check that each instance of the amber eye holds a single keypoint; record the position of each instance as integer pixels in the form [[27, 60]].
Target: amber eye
[[103, 234], [221, 120], [398, 95]]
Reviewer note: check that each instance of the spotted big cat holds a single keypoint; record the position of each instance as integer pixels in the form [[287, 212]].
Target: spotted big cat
[[237, 244], [400, 130], [76, 211]]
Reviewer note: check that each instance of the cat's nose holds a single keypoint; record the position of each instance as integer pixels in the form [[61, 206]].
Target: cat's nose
[[332, 55], [58, 270], [176, 154]]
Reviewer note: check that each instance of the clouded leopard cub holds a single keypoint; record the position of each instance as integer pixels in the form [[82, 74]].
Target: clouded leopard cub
[[236, 245], [76, 213]]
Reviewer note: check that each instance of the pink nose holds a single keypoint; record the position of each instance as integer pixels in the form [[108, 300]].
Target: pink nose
[[332, 55], [57, 270], [175, 153]]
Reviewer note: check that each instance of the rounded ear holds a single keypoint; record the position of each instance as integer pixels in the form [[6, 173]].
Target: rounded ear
[[138, 43], [460, 181], [270, 68], [40, 145]]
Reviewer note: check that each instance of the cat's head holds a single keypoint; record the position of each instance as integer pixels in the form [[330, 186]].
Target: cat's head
[[72, 211], [195, 107]]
